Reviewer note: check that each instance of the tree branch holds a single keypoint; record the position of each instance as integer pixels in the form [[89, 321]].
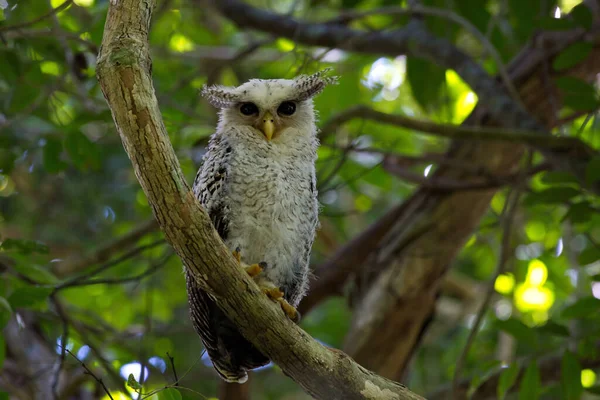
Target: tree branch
[[414, 41], [34, 21], [395, 304], [124, 74], [530, 138]]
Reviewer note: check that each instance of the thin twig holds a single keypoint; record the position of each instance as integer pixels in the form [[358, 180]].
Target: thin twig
[[450, 16], [56, 10], [89, 372], [105, 252], [63, 341], [172, 361], [102, 268], [533, 139], [110, 281], [511, 206]]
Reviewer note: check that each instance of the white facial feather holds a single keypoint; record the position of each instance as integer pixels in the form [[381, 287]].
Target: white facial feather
[[268, 95]]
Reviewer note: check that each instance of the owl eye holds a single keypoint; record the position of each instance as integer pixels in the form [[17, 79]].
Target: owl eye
[[286, 108], [248, 109]]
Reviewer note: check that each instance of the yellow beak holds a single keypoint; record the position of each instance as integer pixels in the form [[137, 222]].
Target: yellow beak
[[268, 127]]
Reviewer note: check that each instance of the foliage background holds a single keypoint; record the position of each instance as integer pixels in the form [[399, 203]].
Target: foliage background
[[68, 193]]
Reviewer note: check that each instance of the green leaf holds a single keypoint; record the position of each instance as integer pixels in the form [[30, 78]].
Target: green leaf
[[7, 160], [582, 308], [507, 379], [582, 16], [4, 396], [484, 371], [580, 212], [553, 195], [5, 312], [169, 394], [571, 376], [52, 151], [11, 67], [133, 383], [426, 80], [588, 256], [525, 14], [555, 329], [572, 55], [556, 24], [38, 273], [531, 383], [29, 297], [592, 171], [595, 278], [519, 331], [82, 151], [577, 94], [559, 177], [23, 246]]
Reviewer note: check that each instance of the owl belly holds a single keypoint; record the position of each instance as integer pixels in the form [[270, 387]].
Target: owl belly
[[273, 219]]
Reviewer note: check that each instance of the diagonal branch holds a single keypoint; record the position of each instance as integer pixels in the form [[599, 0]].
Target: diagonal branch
[[124, 73]]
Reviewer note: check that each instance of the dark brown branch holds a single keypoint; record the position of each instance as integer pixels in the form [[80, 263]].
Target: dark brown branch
[[417, 42], [460, 132], [412, 42], [395, 305], [440, 183]]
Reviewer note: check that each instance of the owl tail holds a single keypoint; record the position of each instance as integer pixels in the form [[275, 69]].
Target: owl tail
[[226, 373], [231, 354]]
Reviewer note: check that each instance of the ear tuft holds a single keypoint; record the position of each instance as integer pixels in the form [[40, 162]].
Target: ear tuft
[[309, 86], [219, 96]]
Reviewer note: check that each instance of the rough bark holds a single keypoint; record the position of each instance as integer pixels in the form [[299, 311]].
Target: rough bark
[[123, 70], [401, 299]]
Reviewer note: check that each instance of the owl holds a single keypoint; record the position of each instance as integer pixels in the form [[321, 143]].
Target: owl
[[258, 185]]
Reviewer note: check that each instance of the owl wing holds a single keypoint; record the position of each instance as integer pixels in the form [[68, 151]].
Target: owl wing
[[229, 351]]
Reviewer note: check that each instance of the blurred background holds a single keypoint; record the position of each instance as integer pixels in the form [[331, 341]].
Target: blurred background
[[90, 291]]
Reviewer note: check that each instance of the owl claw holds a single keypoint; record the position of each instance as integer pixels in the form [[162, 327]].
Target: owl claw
[[237, 253], [252, 270], [275, 294]]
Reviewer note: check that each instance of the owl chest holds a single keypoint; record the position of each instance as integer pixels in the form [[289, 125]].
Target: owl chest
[[271, 192], [272, 208]]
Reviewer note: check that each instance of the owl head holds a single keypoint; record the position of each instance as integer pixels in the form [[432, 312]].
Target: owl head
[[269, 106]]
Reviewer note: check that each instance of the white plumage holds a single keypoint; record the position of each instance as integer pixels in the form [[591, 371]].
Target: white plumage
[[258, 185]]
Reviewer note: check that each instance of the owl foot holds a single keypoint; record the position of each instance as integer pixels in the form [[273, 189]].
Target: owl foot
[[275, 294], [252, 270]]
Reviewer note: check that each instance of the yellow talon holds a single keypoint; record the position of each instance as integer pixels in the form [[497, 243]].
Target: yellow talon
[[275, 294], [253, 270], [238, 255]]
